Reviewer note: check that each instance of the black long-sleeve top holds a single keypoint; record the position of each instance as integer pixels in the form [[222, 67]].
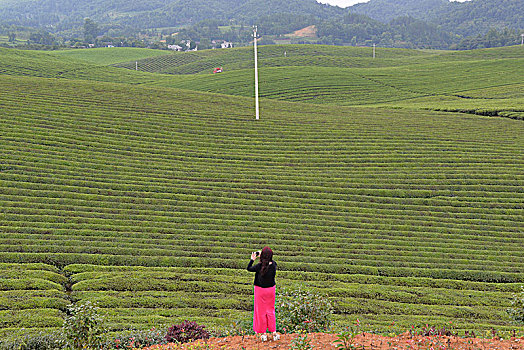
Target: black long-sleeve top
[[266, 281]]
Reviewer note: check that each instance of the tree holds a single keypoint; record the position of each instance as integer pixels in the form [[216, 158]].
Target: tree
[[12, 37], [42, 38], [90, 30], [204, 44], [493, 38]]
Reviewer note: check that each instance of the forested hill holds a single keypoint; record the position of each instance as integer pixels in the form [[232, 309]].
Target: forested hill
[[62, 15], [465, 18], [435, 24], [386, 10], [477, 16]]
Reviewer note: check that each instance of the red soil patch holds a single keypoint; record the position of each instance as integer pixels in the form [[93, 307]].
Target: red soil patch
[[308, 32], [363, 341]]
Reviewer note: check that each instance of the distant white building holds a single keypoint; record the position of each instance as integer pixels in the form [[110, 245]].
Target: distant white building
[[175, 47], [221, 44]]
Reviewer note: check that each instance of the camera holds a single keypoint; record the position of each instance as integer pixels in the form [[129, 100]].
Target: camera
[[257, 253]]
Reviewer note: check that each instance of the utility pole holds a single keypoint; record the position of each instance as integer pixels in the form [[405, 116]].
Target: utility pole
[[373, 50], [257, 112], [522, 42]]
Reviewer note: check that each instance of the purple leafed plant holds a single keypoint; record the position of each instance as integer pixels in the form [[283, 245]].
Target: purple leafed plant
[[186, 332]]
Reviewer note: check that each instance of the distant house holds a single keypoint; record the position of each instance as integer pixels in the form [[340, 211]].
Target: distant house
[[175, 47], [222, 44], [187, 43]]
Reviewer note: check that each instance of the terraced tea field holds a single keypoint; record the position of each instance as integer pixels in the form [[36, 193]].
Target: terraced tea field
[[271, 56], [108, 56], [148, 199], [44, 65], [436, 80]]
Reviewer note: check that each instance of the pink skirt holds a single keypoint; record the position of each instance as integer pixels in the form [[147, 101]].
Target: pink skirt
[[264, 314]]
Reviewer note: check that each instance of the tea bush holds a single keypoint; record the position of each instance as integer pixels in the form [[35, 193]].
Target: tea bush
[[300, 309], [34, 341]]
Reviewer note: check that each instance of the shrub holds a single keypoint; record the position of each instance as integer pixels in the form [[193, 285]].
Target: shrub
[[517, 307], [135, 339], [83, 327], [300, 309], [186, 332]]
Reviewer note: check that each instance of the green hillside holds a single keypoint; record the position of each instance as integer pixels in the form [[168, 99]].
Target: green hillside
[[350, 76], [44, 65], [107, 56], [305, 55], [273, 56], [118, 188]]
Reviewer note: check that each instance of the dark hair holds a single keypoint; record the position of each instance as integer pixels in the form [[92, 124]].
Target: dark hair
[[265, 258]]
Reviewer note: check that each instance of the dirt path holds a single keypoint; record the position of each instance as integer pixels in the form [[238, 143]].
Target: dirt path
[[363, 341]]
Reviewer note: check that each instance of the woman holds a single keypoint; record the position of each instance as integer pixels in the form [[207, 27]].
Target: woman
[[265, 287]]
